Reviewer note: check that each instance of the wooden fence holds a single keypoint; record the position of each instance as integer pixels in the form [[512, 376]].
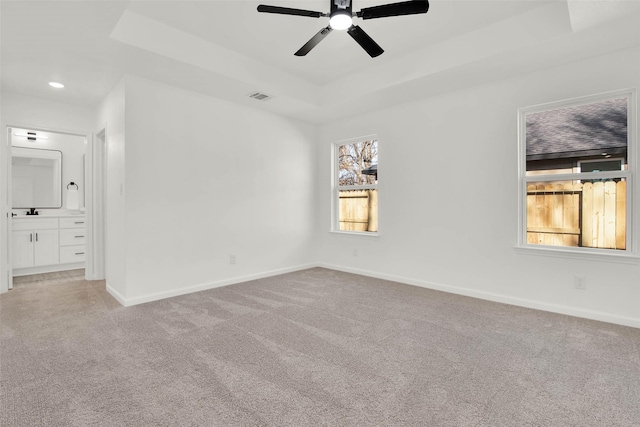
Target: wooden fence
[[358, 210], [567, 214]]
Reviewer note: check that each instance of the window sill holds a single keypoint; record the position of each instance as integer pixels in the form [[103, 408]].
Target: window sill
[[596, 255], [364, 234]]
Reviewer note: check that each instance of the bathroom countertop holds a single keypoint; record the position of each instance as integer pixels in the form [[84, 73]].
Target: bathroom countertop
[[60, 215]]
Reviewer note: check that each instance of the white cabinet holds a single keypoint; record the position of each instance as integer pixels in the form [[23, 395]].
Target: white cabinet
[[71, 236], [41, 244], [74, 222], [35, 242], [46, 247], [23, 255], [72, 239]]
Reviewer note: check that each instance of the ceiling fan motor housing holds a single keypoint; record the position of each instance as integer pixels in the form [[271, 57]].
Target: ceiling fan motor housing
[[341, 4]]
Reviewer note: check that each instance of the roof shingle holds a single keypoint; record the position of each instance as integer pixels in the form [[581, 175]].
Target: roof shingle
[[577, 131]]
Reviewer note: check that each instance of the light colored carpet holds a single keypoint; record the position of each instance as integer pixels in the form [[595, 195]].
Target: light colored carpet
[[315, 347]]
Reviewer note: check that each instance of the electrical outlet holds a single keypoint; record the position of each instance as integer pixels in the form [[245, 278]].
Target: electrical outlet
[[579, 282], [232, 259]]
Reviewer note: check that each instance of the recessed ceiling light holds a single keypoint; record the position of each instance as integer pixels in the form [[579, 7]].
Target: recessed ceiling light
[[56, 85]]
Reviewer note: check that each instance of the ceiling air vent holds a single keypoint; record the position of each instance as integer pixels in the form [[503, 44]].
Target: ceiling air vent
[[260, 96]]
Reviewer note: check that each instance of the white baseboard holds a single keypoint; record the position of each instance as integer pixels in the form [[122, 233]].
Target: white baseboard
[[122, 300], [127, 302], [505, 299]]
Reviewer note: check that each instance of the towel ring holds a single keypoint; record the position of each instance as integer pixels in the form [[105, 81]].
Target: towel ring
[[73, 183]]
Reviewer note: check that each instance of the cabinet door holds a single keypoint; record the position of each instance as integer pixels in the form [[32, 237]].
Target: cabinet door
[[22, 249], [46, 247]]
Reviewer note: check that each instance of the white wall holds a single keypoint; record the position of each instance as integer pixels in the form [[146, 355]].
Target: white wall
[[448, 197], [29, 112], [206, 179], [111, 118]]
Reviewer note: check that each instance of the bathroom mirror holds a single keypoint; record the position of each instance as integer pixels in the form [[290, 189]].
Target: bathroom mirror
[[36, 177]]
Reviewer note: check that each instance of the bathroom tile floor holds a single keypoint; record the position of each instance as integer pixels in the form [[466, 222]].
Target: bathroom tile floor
[[44, 279]]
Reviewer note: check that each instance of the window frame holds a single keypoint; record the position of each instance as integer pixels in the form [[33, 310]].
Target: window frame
[[630, 175], [336, 187]]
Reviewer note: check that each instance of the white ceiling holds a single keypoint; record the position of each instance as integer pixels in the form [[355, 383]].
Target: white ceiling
[[227, 49]]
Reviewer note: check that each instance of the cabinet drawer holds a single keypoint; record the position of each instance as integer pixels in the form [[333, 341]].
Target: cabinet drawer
[[78, 222], [72, 236], [34, 224], [71, 254]]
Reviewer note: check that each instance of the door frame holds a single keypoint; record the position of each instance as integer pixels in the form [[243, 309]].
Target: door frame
[[96, 181], [6, 276], [94, 263]]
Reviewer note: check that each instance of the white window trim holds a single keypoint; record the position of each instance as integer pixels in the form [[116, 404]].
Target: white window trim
[[631, 253], [335, 189]]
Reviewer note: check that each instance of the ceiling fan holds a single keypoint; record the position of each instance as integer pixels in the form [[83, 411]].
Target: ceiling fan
[[341, 18]]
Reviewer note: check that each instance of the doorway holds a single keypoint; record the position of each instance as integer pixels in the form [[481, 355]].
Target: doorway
[[77, 212]]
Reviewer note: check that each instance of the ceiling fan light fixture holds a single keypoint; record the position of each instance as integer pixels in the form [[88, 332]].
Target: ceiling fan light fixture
[[340, 20]]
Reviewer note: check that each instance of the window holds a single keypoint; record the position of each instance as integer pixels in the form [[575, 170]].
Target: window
[[601, 165], [576, 167], [356, 186]]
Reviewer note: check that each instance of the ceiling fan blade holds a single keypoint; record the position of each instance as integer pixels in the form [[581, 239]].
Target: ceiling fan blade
[[289, 11], [313, 42], [395, 9], [366, 42]]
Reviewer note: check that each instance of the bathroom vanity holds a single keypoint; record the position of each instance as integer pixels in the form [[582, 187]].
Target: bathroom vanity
[[46, 243]]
